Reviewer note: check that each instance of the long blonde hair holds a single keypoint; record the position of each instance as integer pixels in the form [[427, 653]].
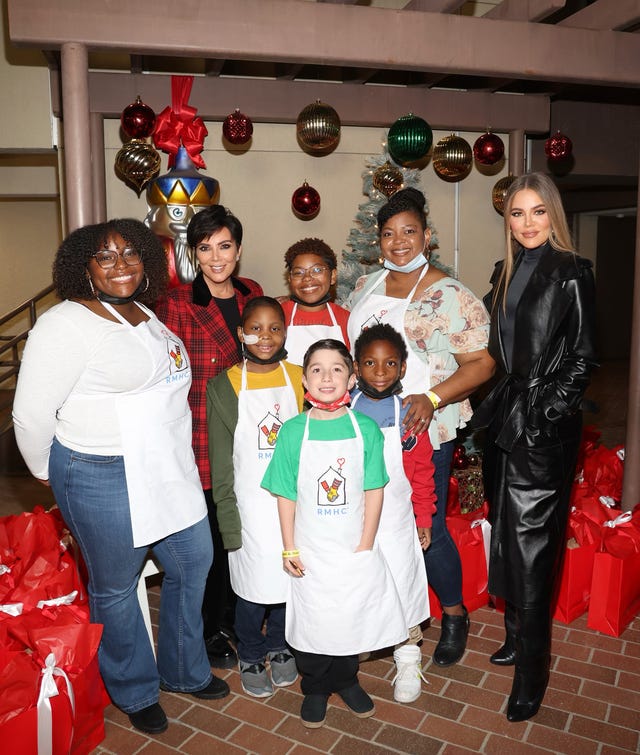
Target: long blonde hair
[[559, 234]]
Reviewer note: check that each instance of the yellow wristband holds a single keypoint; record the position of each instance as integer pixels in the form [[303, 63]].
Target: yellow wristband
[[434, 398], [290, 554]]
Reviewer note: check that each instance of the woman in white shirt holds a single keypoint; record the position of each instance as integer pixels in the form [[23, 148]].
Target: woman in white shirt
[[101, 415]]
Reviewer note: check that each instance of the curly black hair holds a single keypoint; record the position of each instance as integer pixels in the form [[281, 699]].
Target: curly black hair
[[70, 271], [381, 332], [406, 200], [311, 246]]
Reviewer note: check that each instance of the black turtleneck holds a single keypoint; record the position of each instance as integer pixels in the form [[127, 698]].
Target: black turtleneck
[[526, 264]]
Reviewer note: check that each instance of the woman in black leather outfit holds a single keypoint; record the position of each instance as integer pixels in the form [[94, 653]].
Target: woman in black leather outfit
[[542, 338]]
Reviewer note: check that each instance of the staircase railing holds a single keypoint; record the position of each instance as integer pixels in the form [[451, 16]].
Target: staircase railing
[[11, 346]]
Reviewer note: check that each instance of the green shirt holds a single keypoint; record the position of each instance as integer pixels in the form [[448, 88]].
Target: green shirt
[[281, 477]]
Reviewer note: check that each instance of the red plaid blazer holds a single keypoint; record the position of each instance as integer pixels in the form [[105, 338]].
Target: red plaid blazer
[[192, 314]]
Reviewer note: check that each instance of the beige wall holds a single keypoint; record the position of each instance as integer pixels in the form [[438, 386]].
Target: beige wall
[[257, 186]]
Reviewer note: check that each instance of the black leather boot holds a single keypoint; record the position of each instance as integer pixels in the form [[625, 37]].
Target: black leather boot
[[453, 639], [533, 660], [506, 655]]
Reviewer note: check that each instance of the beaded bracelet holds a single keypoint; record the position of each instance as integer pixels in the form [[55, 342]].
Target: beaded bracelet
[[434, 398], [290, 554]]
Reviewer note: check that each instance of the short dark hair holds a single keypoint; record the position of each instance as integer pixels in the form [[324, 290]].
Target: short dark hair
[[332, 345], [382, 331], [213, 218], [70, 277], [406, 200], [261, 301], [311, 246]]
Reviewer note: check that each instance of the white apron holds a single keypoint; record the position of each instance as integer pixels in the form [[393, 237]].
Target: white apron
[[300, 337], [347, 602], [397, 533], [256, 568], [374, 308], [165, 494]]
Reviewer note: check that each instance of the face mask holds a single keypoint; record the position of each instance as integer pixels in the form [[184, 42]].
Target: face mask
[[101, 296], [320, 303], [346, 399], [415, 263], [279, 356], [372, 392]]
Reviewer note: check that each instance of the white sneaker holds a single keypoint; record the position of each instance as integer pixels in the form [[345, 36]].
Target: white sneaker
[[406, 682]]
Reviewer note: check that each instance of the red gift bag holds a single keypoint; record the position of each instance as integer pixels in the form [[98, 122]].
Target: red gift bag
[[471, 535], [615, 593], [575, 582]]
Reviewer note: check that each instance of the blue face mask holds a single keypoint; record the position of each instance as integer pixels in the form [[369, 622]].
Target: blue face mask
[[415, 263]]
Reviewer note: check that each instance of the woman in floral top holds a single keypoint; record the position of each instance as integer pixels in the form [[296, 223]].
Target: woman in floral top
[[446, 330]]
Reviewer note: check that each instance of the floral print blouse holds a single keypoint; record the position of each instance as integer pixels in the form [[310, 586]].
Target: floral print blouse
[[446, 319]]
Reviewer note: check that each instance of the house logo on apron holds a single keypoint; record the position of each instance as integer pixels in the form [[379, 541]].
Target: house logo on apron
[[177, 359], [332, 486], [373, 320], [268, 429]]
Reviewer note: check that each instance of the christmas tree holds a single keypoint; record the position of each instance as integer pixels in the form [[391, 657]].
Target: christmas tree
[[363, 254]]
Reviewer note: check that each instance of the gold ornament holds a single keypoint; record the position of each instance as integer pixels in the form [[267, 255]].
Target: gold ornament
[[318, 128], [137, 163], [499, 192], [452, 158], [387, 179]]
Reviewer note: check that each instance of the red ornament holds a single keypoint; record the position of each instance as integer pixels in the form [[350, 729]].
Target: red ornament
[[138, 120], [460, 460], [305, 202], [488, 149], [237, 128], [558, 147]]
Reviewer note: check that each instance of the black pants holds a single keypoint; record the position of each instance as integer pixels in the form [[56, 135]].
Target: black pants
[[324, 674], [218, 605]]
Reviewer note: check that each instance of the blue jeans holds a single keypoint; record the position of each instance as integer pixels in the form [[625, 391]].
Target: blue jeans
[[444, 570], [253, 646], [91, 492]]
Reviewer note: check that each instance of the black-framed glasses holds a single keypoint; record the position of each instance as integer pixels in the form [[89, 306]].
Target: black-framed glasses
[[315, 272], [107, 258]]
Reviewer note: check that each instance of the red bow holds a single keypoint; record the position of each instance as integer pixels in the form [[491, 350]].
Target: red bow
[[178, 124]]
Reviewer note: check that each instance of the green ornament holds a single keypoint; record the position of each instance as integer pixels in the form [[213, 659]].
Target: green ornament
[[409, 139]]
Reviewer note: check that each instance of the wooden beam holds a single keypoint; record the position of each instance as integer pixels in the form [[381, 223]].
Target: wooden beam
[[275, 101], [340, 35], [524, 10], [605, 14], [435, 6]]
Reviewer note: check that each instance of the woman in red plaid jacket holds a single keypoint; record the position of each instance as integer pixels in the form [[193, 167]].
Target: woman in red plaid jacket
[[205, 314]]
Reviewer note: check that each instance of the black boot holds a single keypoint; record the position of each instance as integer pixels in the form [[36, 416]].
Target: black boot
[[453, 639], [506, 655], [533, 660]]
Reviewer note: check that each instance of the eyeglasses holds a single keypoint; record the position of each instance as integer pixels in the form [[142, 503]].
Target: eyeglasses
[[315, 272], [107, 259]]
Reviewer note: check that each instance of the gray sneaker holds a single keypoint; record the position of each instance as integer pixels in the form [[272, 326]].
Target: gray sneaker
[[283, 668], [255, 680]]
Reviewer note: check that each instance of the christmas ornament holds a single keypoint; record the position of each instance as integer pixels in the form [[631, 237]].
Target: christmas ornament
[[178, 125], [305, 202], [499, 192], [318, 128], [137, 163], [488, 149], [237, 128], [558, 147], [452, 158], [470, 489], [138, 120], [173, 199], [387, 179], [460, 460], [473, 459], [409, 139]]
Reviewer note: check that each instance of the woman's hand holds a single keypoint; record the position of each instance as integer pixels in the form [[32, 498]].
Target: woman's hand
[[293, 566], [424, 536], [419, 414]]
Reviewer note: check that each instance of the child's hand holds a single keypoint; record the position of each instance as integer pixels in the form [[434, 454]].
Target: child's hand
[[293, 566], [424, 536]]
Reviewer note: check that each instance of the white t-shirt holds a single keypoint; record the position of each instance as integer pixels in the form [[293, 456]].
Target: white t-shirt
[[75, 364]]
